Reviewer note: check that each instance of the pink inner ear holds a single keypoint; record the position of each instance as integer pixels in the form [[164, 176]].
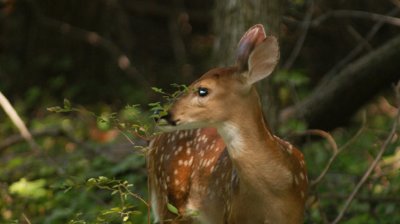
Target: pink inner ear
[[254, 36]]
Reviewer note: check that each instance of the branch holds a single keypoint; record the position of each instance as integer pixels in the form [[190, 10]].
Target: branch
[[92, 38], [350, 89], [335, 149], [357, 50], [17, 138], [358, 14], [335, 152], [17, 121], [96, 39], [153, 9], [299, 44], [375, 162], [349, 14], [384, 199]]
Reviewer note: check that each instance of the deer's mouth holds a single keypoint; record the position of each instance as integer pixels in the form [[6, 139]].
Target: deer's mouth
[[169, 124]]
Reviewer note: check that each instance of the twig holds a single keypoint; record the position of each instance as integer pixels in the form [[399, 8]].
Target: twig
[[16, 119], [177, 42], [26, 218], [53, 132], [336, 150], [300, 42], [323, 108], [366, 198], [325, 135], [349, 13], [359, 37], [358, 14], [334, 147], [94, 39], [357, 49], [17, 138], [374, 163]]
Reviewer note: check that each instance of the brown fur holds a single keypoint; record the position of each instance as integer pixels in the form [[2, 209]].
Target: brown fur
[[237, 171]]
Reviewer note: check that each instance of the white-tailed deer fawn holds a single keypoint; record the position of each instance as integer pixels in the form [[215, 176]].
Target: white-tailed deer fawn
[[231, 169]]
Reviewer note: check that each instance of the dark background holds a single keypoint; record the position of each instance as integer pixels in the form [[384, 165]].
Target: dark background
[[339, 62]]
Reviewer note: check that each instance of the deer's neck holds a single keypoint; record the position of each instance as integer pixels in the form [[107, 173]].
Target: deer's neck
[[253, 149]]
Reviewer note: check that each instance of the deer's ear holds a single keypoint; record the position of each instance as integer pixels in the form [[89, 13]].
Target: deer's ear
[[253, 37], [263, 59]]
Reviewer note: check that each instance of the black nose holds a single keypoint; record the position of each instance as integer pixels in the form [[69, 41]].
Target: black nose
[[166, 117], [169, 119]]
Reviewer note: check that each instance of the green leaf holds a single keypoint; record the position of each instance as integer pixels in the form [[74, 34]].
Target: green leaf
[[67, 104], [66, 107], [29, 189], [103, 179], [172, 209], [91, 182], [157, 90], [56, 109]]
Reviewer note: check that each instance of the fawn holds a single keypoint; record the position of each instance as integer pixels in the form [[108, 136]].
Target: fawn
[[221, 163]]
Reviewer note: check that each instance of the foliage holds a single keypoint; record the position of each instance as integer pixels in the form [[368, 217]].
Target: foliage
[[65, 182], [377, 202], [81, 179], [90, 166], [72, 172]]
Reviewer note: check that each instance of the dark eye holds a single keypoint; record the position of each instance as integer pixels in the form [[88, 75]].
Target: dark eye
[[202, 91]]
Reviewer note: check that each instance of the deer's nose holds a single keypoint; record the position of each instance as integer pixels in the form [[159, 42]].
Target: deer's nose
[[167, 117]]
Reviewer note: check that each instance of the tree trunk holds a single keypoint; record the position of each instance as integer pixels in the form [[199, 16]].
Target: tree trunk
[[231, 19]]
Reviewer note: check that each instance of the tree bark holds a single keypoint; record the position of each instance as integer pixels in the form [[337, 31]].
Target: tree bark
[[333, 102], [231, 19]]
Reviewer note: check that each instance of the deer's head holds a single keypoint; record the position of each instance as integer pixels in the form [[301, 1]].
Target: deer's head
[[217, 95]]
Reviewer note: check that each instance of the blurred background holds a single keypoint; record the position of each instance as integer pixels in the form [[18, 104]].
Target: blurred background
[[339, 64]]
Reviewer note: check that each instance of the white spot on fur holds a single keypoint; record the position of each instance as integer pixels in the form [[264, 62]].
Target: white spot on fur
[[165, 186], [191, 160], [212, 169], [302, 175], [296, 181], [290, 149]]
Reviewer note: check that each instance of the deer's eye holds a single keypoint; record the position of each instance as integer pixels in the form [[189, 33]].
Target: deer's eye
[[202, 92]]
